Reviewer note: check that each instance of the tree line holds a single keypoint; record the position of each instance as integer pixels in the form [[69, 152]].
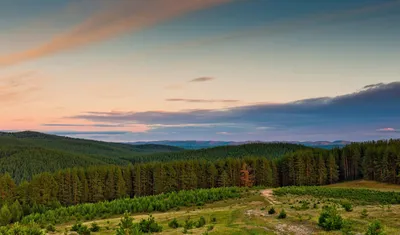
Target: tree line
[[26, 154], [100, 183]]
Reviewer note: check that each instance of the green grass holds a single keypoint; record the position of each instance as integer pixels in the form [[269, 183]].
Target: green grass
[[366, 184], [245, 216], [357, 194]]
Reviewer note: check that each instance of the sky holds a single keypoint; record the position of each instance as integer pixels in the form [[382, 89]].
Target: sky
[[240, 70]]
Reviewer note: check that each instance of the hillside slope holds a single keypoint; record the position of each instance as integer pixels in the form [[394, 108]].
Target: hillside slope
[[24, 154], [268, 150]]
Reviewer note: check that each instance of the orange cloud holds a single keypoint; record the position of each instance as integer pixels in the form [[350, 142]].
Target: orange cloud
[[123, 17]]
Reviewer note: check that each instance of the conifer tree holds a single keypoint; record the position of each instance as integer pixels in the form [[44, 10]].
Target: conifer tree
[[5, 215], [120, 186], [16, 211], [223, 179]]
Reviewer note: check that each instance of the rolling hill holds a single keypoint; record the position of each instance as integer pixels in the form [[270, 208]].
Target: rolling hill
[[268, 150], [24, 154]]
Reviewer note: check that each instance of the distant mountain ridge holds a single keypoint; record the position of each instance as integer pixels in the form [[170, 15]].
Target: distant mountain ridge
[[194, 144]]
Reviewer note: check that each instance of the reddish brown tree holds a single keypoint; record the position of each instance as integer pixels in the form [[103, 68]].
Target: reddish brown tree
[[246, 178]]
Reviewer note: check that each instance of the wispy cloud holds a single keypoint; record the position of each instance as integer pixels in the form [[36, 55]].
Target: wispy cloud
[[202, 79], [387, 129], [81, 125], [223, 133], [202, 100], [372, 86], [18, 87], [69, 133], [196, 80], [123, 16]]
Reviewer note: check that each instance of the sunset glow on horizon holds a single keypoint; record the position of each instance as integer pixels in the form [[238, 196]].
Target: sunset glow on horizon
[[202, 69]]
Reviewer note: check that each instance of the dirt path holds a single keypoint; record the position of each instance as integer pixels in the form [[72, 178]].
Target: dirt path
[[269, 195]]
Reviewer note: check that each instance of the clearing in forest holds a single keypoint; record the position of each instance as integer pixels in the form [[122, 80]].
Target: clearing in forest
[[250, 214]]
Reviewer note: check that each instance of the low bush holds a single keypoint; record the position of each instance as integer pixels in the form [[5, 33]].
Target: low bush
[[330, 219], [282, 214], [271, 211], [94, 227], [173, 223], [149, 225], [201, 222], [375, 228], [50, 228], [347, 206], [364, 213]]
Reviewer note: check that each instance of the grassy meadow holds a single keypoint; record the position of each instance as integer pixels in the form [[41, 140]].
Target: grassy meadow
[[249, 214]]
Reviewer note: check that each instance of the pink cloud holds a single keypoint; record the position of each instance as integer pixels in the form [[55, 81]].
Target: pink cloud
[[387, 129], [120, 18]]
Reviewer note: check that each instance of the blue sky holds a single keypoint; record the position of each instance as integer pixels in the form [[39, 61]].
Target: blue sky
[[274, 70]]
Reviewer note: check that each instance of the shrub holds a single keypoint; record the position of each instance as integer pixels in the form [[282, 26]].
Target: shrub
[[173, 223], [80, 229], [347, 206], [201, 222], [282, 214], [347, 228], [31, 229], [76, 227], [94, 227], [213, 219], [364, 213], [271, 211], [126, 225], [50, 228], [375, 228], [210, 227], [330, 219], [188, 224], [149, 225], [305, 205]]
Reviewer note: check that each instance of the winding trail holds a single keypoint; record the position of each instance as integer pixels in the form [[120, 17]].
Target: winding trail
[[269, 195]]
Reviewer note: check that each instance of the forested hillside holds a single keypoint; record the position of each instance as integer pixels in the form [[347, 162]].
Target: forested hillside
[[109, 150], [25, 154], [268, 150]]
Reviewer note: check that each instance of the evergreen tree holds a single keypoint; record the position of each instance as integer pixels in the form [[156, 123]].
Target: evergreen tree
[[7, 188], [223, 179], [16, 211], [5, 215], [120, 185]]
